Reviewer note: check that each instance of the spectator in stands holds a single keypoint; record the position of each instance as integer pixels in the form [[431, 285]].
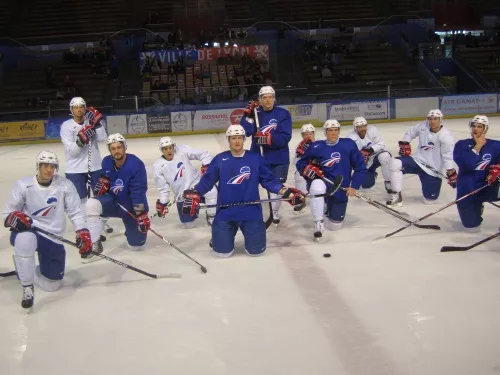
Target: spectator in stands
[[113, 67], [344, 77], [326, 73], [156, 85], [59, 94]]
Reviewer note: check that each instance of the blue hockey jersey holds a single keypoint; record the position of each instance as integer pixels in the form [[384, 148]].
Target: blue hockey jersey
[[472, 167], [239, 179], [278, 122], [129, 184], [337, 159]]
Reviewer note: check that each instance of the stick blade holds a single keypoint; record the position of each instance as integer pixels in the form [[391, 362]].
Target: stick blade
[[336, 185], [446, 249], [428, 226], [7, 274], [169, 276]]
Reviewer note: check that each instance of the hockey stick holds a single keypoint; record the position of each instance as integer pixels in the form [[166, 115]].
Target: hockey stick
[[269, 221], [438, 210], [465, 248], [125, 265], [202, 267], [7, 274]]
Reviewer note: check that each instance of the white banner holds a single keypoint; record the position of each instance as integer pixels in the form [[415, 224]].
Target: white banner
[[137, 123], [116, 124], [370, 110], [469, 104], [302, 112], [181, 121], [217, 118]]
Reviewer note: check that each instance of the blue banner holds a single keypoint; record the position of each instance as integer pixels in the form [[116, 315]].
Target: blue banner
[[53, 127], [168, 56]]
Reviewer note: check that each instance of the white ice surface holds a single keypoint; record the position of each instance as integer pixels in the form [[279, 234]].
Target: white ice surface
[[377, 306]]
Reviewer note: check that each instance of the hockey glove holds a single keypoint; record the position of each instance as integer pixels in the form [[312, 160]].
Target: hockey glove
[[143, 222], [452, 178], [404, 148], [18, 221], [102, 186], [295, 196], [94, 117], [248, 111], [161, 208], [203, 169], [367, 152], [312, 171], [493, 174], [263, 138], [84, 135], [83, 242], [191, 203], [302, 147]]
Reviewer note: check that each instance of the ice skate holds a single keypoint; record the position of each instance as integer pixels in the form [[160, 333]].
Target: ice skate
[[210, 219], [97, 247], [276, 219], [395, 201], [28, 297], [319, 228], [388, 187]]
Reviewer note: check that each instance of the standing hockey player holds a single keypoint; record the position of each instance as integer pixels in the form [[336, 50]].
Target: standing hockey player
[[174, 170], [239, 173], [41, 201], [330, 158], [273, 135], [125, 182], [435, 151], [371, 144], [308, 137], [478, 160]]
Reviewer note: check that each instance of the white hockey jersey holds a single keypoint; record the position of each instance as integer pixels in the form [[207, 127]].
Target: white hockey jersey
[[434, 149], [372, 139], [178, 173], [76, 157], [47, 205]]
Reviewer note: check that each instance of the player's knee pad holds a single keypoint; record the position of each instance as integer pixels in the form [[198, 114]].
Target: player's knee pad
[[317, 187], [429, 201], [224, 255], [395, 165], [25, 244], [135, 248], [384, 158], [93, 207], [189, 225], [46, 284], [369, 180], [332, 225], [473, 229], [254, 253]]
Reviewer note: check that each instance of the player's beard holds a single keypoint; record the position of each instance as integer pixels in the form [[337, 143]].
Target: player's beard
[[118, 156]]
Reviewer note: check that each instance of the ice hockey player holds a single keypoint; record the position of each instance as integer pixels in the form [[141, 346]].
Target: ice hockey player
[[80, 136], [239, 173], [124, 181], [435, 151], [308, 137], [371, 144], [273, 135], [41, 201], [478, 161], [330, 158], [174, 170]]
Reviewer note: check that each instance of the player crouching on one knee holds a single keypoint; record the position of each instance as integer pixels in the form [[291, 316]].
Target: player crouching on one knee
[[478, 160], [329, 158], [41, 201], [307, 131], [372, 146], [125, 182], [174, 169], [239, 173]]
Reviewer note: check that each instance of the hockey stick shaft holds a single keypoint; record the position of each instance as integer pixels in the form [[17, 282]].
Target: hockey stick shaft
[[202, 267], [260, 201], [124, 265], [435, 212], [7, 274], [465, 248]]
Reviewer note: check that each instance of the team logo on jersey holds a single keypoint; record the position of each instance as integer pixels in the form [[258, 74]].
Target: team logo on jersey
[[334, 159], [429, 146], [117, 187], [51, 205], [238, 179], [180, 170], [485, 160], [273, 124]]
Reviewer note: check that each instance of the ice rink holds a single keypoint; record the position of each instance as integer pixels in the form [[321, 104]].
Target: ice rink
[[376, 306]]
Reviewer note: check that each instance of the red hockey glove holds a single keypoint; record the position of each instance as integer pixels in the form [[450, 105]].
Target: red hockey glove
[[302, 147], [493, 174], [161, 208], [263, 138], [404, 148], [94, 117], [203, 169], [248, 111], [84, 135], [102, 186], [367, 152], [191, 203], [143, 222], [18, 221], [452, 178], [312, 171], [83, 241], [295, 196]]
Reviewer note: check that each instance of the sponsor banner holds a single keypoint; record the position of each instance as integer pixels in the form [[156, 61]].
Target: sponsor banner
[[116, 124], [159, 124], [217, 118], [302, 112], [181, 121], [468, 104], [168, 56], [137, 123], [22, 131], [371, 110], [53, 127]]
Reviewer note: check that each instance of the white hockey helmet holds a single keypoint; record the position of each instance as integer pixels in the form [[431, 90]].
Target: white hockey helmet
[[359, 121], [266, 90], [235, 130], [77, 102], [480, 119], [117, 137], [435, 113], [330, 124], [166, 142], [46, 157], [306, 128]]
